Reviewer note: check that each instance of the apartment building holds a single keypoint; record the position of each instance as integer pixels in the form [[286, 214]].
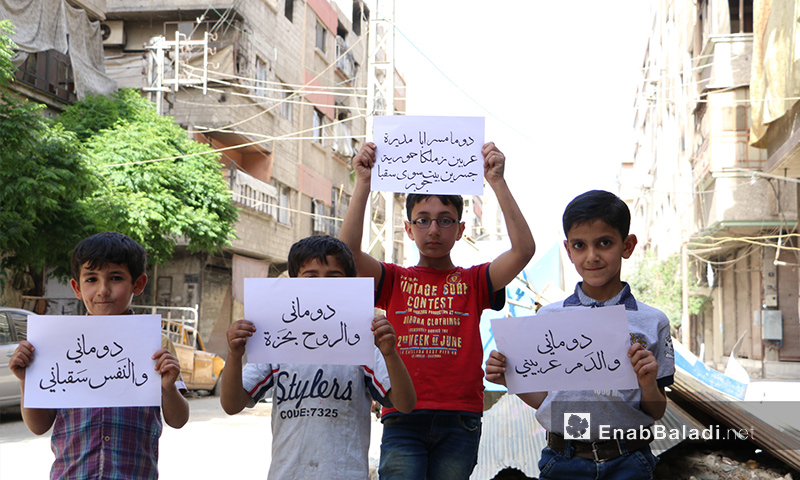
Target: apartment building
[[279, 88], [700, 187]]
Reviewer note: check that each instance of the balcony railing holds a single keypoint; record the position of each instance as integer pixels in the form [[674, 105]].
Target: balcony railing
[[253, 193], [50, 72], [346, 64]]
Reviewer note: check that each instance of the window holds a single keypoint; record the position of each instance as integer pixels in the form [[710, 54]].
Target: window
[[261, 77], [286, 104], [50, 72], [741, 16], [322, 34], [288, 9], [318, 214], [282, 209], [339, 203], [342, 138], [360, 13], [319, 126]]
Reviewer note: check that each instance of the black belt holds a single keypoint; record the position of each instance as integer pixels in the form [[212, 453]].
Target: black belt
[[598, 451]]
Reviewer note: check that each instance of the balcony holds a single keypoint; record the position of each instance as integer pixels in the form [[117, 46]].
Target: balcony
[[346, 65], [49, 72], [253, 193]]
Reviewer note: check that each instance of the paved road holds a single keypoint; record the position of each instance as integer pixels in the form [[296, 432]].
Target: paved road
[[213, 445]]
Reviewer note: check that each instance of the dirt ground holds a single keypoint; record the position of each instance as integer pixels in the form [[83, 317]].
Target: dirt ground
[[721, 461]]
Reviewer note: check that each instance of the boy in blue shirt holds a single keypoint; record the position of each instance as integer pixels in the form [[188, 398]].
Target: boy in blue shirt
[[596, 224]]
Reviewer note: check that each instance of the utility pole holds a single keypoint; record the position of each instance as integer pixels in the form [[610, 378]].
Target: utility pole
[[380, 101], [157, 82]]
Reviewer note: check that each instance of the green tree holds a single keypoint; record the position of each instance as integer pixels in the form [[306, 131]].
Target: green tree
[[44, 182], [658, 283], [145, 193], [93, 170]]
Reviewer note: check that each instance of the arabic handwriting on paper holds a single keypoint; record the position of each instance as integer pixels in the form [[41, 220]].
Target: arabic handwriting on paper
[[426, 177], [429, 154], [297, 312], [596, 361], [97, 377], [312, 340], [82, 350], [552, 345], [529, 367]]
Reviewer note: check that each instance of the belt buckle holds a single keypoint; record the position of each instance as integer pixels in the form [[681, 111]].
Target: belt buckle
[[594, 453]]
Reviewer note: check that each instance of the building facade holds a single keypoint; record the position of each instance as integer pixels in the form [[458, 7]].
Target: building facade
[[700, 188], [279, 87]]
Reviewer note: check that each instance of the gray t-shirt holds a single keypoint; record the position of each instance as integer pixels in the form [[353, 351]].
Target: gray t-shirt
[[320, 416], [616, 409]]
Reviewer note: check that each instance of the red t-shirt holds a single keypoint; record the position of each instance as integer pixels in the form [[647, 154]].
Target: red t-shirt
[[436, 316]]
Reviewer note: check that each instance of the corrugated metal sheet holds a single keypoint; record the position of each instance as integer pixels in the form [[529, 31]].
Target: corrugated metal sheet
[[770, 425], [512, 438]]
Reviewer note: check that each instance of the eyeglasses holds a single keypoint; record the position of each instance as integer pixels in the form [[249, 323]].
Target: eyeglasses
[[424, 223]]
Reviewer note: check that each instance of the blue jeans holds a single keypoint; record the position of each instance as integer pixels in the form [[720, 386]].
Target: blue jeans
[[429, 445], [637, 465]]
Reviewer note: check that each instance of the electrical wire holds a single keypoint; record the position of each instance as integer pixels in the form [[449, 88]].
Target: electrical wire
[[232, 147], [273, 101], [314, 89], [323, 89], [524, 135]]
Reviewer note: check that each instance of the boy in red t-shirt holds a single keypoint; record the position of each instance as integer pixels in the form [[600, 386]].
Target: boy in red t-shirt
[[435, 308]]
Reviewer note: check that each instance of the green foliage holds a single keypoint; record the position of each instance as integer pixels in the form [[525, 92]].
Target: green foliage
[[659, 284], [44, 182], [153, 202], [7, 47], [61, 181]]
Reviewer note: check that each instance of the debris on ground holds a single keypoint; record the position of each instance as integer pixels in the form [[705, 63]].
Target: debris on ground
[[721, 461]]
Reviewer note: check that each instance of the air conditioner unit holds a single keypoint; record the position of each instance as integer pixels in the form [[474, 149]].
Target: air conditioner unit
[[113, 33]]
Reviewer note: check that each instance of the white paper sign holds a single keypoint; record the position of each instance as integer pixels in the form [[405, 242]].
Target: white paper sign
[[310, 320], [582, 349], [431, 155], [93, 361]]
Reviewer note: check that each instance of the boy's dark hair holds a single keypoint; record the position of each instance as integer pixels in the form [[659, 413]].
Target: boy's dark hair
[[109, 247], [598, 205], [318, 247], [454, 200]]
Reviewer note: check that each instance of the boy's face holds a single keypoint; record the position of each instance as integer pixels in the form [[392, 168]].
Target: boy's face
[[107, 290], [597, 249], [435, 241], [315, 268]]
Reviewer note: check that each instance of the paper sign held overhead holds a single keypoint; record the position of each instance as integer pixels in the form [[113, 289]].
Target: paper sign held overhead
[[581, 349], [93, 361], [310, 320], [430, 155]]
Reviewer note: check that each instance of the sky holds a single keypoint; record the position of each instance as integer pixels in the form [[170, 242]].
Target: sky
[[555, 81]]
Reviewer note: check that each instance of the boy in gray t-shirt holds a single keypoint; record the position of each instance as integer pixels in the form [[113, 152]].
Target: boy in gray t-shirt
[[596, 224]]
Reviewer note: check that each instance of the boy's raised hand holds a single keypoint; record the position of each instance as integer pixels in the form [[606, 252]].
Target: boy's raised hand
[[167, 366], [494, 162], [364, 161], [21, 359], [644, 364], [496, 368], [385, 338], [238, 333]]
